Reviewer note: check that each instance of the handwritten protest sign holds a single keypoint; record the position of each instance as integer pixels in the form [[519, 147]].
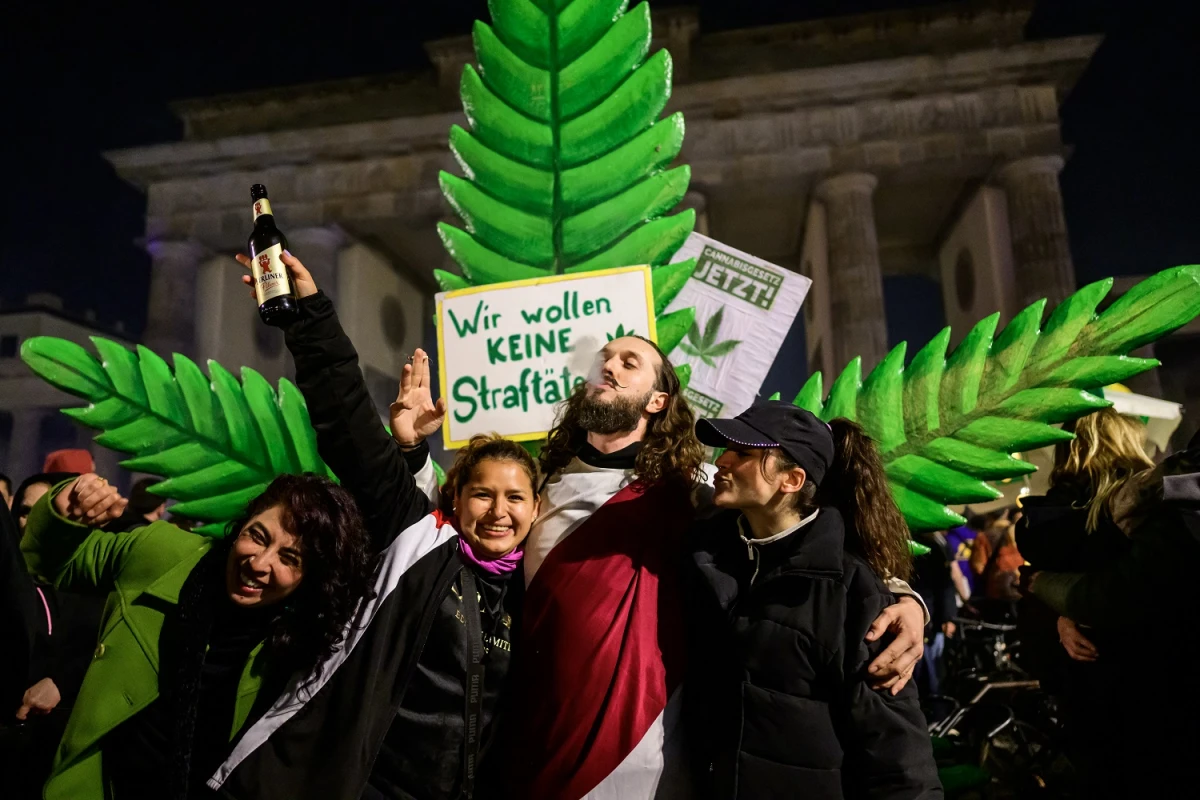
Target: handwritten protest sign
[[744, 309], [509, 353]]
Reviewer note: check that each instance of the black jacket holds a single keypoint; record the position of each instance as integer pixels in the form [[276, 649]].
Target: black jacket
[[361, 723], [1147, 599], [777, 697], [44, 633], [1052, 535]]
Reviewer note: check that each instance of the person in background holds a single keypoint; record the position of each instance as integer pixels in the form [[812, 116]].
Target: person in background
[[782, 587], [995, 561], [143, 509], [1071, 529], [204, 626], [62, 633], [1145, 600], [24, 751], [31, 490], [933, 580], [75, 461], [6, 490]]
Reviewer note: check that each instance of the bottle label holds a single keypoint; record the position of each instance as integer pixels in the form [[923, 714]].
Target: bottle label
[[270, 274], [262, 207]]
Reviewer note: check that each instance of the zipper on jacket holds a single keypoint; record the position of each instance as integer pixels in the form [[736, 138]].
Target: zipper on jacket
[[752, 554]]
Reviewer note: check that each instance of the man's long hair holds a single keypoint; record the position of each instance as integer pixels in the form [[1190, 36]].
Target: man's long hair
[[670, 450]]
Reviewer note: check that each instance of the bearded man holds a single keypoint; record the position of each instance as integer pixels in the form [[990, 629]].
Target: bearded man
[[602, 641]]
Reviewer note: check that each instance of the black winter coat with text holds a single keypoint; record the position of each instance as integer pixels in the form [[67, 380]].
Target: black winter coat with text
[[385, 713], [777, 697]]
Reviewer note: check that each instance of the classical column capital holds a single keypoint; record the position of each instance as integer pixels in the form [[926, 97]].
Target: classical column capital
[[1033, 165], [448, 57], [696, 199], [847, 183], [182, 251]]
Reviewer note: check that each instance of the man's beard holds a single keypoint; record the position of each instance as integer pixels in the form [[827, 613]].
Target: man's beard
[[620, 415]]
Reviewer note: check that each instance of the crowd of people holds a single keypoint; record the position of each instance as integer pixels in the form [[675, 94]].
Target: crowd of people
[[618, 618], [1093, 575]]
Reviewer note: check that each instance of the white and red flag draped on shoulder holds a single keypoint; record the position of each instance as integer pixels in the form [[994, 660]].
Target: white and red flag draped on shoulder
[[602, 640]]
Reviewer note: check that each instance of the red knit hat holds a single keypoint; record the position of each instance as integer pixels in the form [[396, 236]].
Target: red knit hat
[[76, 461]]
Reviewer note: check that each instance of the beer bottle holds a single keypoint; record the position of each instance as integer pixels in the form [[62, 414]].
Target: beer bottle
[[272, 283]]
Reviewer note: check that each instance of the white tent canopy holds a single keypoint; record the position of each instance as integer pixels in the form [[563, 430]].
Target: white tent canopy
[[1162, 417]]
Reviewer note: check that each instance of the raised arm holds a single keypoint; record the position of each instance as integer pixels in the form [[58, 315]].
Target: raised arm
[[65, 545], [350, 436], [1159, 510], [1119, 594]]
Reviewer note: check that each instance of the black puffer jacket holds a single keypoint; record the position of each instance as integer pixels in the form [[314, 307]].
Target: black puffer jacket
[[387, 719], [777, 697]]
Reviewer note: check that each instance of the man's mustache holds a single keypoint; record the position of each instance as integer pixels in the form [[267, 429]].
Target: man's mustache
[[610, 379]]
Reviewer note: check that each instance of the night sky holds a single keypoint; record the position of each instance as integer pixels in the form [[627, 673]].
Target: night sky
[[78, 82]]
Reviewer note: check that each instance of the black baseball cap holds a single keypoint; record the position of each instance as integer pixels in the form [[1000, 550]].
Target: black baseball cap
[[774, 423]]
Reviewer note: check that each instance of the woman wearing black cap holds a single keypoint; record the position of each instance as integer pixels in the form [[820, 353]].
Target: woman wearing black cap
[[783, 584]]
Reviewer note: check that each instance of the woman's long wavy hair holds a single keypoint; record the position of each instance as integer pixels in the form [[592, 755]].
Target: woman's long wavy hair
[[338, 565], [856, 485], [301, 633], [1106, 451], [670, 451], [483, 447]]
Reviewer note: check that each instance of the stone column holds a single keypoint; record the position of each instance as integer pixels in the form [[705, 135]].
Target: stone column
[[857, 318], [170, 321], [318, 249], [24, 455], [699, 201], [1041, 252]]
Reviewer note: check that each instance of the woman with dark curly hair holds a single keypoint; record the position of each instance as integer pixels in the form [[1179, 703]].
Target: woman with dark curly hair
[[195, 626], [783, 586]]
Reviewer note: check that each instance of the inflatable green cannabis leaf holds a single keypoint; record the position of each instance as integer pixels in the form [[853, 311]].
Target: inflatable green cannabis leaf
[[218, 443], [565, 159], [946, 425]]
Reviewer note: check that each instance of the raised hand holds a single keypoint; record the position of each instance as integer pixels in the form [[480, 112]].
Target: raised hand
[[90, 500], [414, 414], [301, 278]]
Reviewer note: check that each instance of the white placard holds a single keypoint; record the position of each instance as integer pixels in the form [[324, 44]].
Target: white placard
[[744, 309], [509, 353]]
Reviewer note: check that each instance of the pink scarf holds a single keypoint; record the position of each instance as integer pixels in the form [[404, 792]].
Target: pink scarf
[[495, 566]]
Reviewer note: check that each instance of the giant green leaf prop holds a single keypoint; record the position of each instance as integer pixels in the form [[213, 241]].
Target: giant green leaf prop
[[947, 425], [565, 159], [217, 442]]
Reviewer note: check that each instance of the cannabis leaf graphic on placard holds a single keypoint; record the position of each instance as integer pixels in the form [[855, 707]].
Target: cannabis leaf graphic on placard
[[705, 346], [620, 332]]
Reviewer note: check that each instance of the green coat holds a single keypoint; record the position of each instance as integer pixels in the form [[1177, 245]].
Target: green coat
[[142, 572]]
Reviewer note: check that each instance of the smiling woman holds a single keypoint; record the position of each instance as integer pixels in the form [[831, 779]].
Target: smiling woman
[[202, 625], [412, 704]]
